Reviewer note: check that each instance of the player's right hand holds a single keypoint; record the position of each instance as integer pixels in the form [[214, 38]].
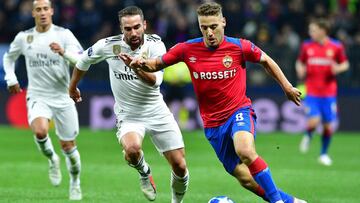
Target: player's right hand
[[293, 94], [14, 89], [75, 94]]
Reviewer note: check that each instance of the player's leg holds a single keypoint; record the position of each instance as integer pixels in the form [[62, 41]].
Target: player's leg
[[179, 176], [245, 149], [130, 135], [67, 129], [313, 119], [167, 139], [242, 174], [329, 115], [39, 115]]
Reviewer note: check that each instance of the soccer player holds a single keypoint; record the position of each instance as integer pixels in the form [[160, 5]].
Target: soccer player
[[49, 50], [139, 105], [217, 67], [319, 61]]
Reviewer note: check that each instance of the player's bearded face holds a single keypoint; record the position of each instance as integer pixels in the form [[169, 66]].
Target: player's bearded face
[[133, 28], [212, 29], [42, 12]]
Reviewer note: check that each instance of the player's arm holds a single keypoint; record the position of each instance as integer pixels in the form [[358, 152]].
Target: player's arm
[[340, 68], [9, 60], [74, 92], [72, 50], [139, 63], [274, 70], [300, 70]]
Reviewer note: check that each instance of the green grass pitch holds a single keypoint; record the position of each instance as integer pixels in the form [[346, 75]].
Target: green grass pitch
[[107, 178]]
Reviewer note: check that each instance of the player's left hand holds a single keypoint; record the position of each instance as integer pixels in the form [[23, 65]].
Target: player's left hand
[[56, 48], [293, 94]]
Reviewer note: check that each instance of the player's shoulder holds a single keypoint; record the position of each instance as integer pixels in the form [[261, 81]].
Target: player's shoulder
[[28, 31], [194, 41], [152, 38], [112, 39], [307, 42], [335, 42]]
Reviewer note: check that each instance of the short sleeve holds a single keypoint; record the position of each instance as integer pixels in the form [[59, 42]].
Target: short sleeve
[[174, 55], [92, 55], [72, 45], [341, 54], [250, 51], [302, 54]]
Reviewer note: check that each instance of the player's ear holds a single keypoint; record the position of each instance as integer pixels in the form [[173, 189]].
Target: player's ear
[[144, 23], [223, 22]]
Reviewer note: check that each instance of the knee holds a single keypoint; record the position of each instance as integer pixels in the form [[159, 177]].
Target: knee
[[247, 155], [40, 132], [67, 146], [179, 167], [132, 153]]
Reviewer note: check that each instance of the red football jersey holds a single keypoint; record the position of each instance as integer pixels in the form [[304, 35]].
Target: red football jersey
[[218, 75], [319, 58]]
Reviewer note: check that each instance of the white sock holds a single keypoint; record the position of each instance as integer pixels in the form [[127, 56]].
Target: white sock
[[73, 164], [45, 146], [142, 167], [179, 186]]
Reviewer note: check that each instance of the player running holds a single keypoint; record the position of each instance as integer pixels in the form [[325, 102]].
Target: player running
[[49, 50], [139, 105], [217, 66], [319, 61]]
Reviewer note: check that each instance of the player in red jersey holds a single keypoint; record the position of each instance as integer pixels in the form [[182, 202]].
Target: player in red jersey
[[319, 61], [217, 67]]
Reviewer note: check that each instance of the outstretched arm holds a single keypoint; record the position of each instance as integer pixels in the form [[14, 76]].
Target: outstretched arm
[[274, 70], [74, 92], [147, 65]]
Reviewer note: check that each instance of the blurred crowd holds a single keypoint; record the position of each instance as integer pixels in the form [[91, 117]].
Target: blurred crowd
[[268, 23]]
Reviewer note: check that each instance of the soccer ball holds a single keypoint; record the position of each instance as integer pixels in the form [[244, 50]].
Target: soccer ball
[[221, 199]]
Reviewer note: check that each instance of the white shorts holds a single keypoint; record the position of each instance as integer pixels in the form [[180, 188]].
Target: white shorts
[[65, 119], [165, 133]]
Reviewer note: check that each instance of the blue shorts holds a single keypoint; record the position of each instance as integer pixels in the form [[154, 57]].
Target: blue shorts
[[221, 138], [324, 107]]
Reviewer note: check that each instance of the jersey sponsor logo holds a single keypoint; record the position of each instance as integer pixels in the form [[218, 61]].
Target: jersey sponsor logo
[[29, 39], [320, 61], [227, 61], [214, 75], [128, 75], [116, 49]]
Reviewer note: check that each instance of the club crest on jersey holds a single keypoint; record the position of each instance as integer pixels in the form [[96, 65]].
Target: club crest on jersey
[[329, 53], [30, 38], [227, 61], [116, 49]]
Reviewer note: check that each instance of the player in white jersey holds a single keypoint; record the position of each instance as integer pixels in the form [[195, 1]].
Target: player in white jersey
[[139, 105], [49, 50]]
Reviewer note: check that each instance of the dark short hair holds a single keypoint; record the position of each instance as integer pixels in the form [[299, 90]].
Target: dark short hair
[[322, 23], [209, 9], [131, 11]]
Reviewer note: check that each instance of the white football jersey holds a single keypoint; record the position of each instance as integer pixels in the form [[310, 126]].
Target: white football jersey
[[48, 72], [134, 99]]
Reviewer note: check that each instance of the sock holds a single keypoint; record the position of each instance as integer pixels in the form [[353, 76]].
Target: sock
[[309, 132], [179, 186], [326, 138], [284, 196], [142, 167], [261, 173], [45, 146], [73, 164]]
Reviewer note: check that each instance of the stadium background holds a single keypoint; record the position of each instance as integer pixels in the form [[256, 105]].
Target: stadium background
[[277, 26]]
